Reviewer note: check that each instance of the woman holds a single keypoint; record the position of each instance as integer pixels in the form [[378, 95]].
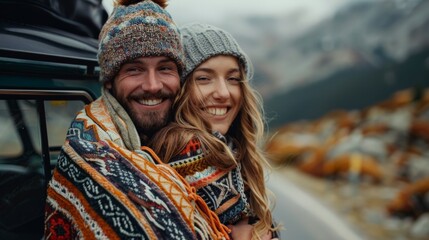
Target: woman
[[215, 140]]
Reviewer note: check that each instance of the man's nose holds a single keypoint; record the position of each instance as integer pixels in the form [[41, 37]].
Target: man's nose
[[152, 82]]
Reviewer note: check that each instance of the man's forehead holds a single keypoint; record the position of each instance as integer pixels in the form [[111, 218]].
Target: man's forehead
[[151, 59]]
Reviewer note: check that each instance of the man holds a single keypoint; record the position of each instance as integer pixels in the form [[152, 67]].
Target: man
[[107, 185]]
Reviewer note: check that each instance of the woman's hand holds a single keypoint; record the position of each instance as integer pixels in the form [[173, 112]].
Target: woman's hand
[[243, 231]]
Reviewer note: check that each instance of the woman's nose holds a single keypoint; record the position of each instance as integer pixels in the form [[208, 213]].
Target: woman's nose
[[221, 90]]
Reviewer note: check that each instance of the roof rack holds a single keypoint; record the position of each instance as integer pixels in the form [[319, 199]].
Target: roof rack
[[89, 63]]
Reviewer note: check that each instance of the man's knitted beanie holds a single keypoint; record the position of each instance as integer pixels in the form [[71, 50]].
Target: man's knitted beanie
[[203, 41], [138, 29]]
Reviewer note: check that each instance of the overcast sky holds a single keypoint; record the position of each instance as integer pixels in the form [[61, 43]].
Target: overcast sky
[[213, 11]]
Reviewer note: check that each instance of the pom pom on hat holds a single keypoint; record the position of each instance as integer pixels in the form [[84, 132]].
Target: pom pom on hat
[[203, 41], [161, 3], [139, 29]]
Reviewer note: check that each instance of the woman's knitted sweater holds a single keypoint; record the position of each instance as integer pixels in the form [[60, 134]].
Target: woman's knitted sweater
[[222, 189]]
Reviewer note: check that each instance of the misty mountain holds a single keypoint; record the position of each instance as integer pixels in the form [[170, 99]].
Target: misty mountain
[[360, 55], [363, 33]]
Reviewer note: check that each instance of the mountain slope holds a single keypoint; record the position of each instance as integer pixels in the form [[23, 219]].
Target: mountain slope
[[352, 88]]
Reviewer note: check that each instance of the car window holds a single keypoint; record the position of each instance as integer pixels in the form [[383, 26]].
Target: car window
[[59, 114], [32, 130], [21, 116], [9, 139]]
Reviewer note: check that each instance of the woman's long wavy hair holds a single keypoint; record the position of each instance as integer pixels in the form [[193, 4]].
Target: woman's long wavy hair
[[247, 131]]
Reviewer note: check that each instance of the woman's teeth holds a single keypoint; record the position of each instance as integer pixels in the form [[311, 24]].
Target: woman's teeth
[[216, 111]]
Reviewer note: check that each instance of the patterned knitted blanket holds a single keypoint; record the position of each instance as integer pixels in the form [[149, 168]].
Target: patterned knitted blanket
[[222, 189], [102, 189]]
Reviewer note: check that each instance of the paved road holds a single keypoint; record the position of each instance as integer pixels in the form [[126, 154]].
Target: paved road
[[302, 216]]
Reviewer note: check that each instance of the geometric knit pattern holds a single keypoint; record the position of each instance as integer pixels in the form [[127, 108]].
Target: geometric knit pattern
[[221, 189], [100, 190]]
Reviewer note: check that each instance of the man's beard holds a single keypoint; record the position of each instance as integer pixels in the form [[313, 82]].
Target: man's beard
[[149, 122]]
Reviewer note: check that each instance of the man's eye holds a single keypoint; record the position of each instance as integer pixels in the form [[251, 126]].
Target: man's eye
[[165, 68], [168, 67], [133, 70]]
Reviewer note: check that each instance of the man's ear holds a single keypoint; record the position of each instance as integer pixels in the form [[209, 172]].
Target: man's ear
[[108, 85]]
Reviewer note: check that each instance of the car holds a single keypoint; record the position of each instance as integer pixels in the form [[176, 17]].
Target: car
[[48, 72]]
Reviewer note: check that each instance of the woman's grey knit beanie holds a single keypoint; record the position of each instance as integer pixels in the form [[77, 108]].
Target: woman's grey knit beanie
[[203, 41]]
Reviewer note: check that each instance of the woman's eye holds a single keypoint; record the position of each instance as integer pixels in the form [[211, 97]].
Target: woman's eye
[[234, 79], [202, 78]]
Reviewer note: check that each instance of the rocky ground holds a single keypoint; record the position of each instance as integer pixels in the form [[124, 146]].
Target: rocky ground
[[362, 205], [370, 165]]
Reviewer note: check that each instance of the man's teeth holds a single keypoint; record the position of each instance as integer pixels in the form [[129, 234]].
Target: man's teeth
[[216, 111], [150, 102]]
